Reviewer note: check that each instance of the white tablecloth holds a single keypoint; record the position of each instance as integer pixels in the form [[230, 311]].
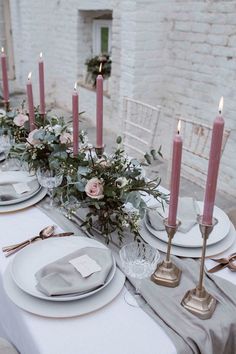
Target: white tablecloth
[[115, 329]]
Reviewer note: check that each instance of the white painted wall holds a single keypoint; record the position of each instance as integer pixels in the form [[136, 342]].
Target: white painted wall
[[181, 54]]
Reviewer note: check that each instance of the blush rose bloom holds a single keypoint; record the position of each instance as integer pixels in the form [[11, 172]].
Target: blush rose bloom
[[20, 119], [31, 139], [94, 188], [66, 138]]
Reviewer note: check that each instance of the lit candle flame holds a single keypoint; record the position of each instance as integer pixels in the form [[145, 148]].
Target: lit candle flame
[[179, 126], [29, 76], [2, 49], [100, 68], [221, 105], [40, 55], [75, 86]]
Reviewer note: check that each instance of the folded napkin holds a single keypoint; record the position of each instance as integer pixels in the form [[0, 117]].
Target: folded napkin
[[190, 334], [8, 192], [61, 277], [187, 213], [11, 177]]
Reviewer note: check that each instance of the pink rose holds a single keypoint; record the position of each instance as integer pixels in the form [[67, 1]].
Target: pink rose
[[20, 119], [94, 188], [66, 138], [31, 139]]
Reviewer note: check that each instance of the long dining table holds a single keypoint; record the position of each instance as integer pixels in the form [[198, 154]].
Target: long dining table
[[114, 329]]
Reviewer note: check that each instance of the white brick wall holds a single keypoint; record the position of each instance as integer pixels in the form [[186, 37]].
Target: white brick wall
[[181, 54]]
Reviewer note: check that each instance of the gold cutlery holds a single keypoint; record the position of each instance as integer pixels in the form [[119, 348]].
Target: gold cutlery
[[47, 232], [229, 262]]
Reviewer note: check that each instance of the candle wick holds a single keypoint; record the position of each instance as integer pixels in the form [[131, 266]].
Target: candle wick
[[220, 112]]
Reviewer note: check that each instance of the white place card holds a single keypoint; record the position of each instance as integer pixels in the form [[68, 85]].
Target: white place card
[[21, 188], [85, 265]]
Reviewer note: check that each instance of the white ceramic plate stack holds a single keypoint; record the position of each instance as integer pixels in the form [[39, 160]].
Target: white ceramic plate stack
[[189, 244], [20, 281], [10, 200]]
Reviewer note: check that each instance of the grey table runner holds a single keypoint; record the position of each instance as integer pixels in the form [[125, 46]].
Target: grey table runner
[[189, 334]]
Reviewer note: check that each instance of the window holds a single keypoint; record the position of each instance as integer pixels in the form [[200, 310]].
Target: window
[[102, 37]]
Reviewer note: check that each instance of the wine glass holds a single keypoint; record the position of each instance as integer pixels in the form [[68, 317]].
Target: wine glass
[[6, 142], [50, 179], [139, 261]]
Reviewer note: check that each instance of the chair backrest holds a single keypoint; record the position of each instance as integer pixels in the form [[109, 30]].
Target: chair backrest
[[140, 121], [196, 148]]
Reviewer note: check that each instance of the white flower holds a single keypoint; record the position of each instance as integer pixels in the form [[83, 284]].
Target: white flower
[[66, 138], [121, 182], [2, 113], [20, 119], [94, 188], [31, 139]]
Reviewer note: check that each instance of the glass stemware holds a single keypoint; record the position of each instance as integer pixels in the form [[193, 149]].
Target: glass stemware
[[49, 179], [139, 261], [6, 142]]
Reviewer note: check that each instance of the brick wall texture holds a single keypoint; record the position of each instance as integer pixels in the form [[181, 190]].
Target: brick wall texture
[[177, 53]]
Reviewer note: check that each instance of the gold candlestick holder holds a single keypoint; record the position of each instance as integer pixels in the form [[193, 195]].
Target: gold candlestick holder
[[99, 151], [167, 273], [6, 106], [198, 301]]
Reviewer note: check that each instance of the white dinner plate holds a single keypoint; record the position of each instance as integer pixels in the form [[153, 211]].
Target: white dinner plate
[[193, 237], [34, 190], [62, 309], [37, 255], [25, 204], [194, 252]]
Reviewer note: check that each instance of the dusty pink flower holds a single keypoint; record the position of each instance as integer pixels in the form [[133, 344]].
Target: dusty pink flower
[[20, 119], [31, 139], [66, 138], [94, 188]]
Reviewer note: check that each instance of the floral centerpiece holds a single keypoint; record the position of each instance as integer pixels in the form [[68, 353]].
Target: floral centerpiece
[[17, 121], [111, 188], [48, 147]]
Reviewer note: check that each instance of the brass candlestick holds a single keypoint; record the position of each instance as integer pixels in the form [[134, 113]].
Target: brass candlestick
[[6, 106], [99, 151], [198, 301], [166, 273]]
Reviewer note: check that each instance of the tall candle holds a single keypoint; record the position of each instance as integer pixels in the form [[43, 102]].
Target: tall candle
[[4, 76], [41, 85], [213, 166], [99, 87], [175, 178], [30, 103], [75, 110]]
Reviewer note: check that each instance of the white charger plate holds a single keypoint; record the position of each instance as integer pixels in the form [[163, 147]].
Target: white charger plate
[[62, 309], [193, 237], [194, 252], [25, 204], [35, 256]]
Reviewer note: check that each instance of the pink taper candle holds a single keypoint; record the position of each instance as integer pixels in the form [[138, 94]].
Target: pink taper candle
[[175, 178], [99, 87], [30, 103], [213, 166], [4, 76], [75, 110], [41, 85]]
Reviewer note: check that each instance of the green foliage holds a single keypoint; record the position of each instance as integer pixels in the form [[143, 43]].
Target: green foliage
[[93, 65]]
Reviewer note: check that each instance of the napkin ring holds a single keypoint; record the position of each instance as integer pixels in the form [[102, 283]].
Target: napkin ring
[[198, 301], [167, 273]]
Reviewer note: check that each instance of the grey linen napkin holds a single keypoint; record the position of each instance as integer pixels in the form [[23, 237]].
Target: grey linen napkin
[[61, 277], [7, 191], [187, 214]]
